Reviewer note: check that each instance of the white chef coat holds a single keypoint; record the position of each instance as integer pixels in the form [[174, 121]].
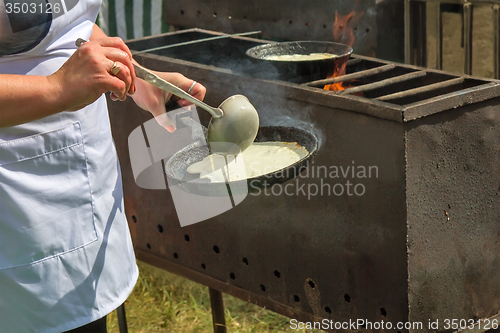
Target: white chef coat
[[66, 256]]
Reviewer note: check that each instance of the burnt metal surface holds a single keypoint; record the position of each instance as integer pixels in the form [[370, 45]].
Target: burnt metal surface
[[274, 245], [420, 243], [377, 26], [453, 180]]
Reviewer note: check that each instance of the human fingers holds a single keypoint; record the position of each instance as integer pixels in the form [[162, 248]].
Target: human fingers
[[87, 74], [126, 68], [100, 55], [121, 72], [164, 121], [194, 88], [115, 42]]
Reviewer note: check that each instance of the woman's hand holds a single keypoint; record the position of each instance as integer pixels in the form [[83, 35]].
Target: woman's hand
[[86, 75], [153, 99]]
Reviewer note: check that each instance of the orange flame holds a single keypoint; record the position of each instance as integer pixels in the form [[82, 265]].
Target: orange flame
[[339, 85], [344, 28]]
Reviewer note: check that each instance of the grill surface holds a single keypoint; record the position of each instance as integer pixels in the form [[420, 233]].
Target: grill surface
[[420, 243]]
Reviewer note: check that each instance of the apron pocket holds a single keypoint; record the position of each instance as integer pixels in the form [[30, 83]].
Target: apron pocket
[[45, 197]]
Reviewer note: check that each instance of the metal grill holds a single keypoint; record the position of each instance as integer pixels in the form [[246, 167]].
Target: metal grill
[[420, 244]]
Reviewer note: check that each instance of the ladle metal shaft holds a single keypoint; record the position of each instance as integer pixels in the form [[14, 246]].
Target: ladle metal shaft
[[155, 80]]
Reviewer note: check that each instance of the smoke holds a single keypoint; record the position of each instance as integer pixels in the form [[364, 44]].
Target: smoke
[[356, 25], [275, 108]]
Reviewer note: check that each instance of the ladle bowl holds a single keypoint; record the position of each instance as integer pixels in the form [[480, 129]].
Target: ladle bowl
[[234, 124], [236, 129]]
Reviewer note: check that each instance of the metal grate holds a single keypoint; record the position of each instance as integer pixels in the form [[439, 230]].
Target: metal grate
[[396, 91]]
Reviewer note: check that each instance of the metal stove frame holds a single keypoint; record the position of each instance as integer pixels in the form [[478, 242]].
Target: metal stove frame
[[421, 244]]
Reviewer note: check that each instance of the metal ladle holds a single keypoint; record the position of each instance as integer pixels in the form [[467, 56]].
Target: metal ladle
[[234, 124]]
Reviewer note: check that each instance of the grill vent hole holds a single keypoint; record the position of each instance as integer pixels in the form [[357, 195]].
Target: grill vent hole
[[203, 266], [311, 284], [134, 218], [216, 249], [186, 238], [149, 246], [328, 310], [296, 298], [277, 274], [347, 298], [324, 26], [383, 312], [232, 276], [182, 12], [290, 22], [262, 287], [160, 228], [176, 256], [245, 261]]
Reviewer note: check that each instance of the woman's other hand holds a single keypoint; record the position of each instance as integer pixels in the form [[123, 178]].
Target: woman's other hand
[[153, 99]]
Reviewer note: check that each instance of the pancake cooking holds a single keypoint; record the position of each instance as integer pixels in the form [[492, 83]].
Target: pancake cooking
[[300, 57], [259, 159]]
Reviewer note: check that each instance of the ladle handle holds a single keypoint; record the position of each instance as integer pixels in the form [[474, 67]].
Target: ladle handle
[[155, 80]]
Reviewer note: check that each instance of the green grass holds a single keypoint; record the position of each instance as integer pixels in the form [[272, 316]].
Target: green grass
[[163, 302]]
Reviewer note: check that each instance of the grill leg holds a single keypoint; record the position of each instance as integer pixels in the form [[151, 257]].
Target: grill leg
[[122, 320], [217, 305]]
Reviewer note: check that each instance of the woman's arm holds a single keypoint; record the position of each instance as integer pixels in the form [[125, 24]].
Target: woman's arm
[[25, 98], [81, 80]]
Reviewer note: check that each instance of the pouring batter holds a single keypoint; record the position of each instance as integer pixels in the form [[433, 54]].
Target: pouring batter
[[259, 159]]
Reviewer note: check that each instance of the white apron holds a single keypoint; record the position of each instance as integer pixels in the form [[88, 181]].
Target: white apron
[[66, 255]]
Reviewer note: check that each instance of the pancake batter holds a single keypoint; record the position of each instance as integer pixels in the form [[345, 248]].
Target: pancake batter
[[259, 159], [300, 57]]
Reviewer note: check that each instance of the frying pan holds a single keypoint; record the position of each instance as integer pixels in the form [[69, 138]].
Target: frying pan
[[176, 165], [300, 71]]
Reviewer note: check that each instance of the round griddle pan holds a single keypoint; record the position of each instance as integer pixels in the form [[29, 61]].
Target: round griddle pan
[[175, 167], [302, 70]]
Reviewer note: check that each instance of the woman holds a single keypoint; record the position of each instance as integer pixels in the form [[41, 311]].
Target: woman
[[66, 258]]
